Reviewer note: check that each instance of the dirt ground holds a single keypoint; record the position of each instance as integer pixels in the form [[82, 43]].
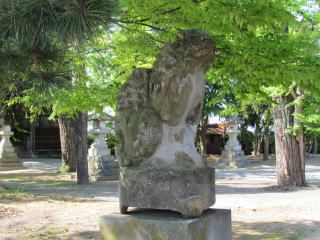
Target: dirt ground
[[39, 203]]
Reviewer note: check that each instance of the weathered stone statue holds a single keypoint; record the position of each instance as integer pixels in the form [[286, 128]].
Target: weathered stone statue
[[8, 158], [233, 155], [157, 115], [102, 165]]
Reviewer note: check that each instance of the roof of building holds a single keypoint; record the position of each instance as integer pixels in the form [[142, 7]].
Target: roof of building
[[216, 129]]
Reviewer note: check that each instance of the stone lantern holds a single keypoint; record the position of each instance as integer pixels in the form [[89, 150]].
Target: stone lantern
[[8, 158], [233, 155], [101, 164]]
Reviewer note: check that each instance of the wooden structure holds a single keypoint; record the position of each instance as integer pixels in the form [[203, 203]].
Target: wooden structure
[[39, 139], [215, 135]]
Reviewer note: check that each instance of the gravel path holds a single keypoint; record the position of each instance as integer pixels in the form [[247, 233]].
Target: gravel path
[[55, 208]]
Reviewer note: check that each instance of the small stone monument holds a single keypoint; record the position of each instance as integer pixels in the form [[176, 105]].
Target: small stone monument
[[233, 155], [160, 169], [101, 164], [8, 158]]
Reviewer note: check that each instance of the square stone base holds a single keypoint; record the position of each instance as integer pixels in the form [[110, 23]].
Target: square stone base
[[214, 224], [113, 177], [103, 168], [188, 191], [232, 158]]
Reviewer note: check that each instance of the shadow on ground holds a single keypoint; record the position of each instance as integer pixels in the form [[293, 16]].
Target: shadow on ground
[[86, 235], [241, 188], [24, 188], [276, 231]]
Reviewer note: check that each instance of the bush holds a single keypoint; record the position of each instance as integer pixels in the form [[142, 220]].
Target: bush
[[246, 138], [112, 142], [64, 169], [110, 138]]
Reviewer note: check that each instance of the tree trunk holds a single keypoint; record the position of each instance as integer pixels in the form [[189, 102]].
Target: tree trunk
[[82, 148], [260, 141], [203, 125], [266, 144], [73, 137], [256, 139], [315, 145], [289, 148], [68, 144]]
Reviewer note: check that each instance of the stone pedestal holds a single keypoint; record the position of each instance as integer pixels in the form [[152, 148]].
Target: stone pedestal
[[233, 158], [214, 224], [188, 191], [8, 158], [233, 155], [102, 165], [103, 168]]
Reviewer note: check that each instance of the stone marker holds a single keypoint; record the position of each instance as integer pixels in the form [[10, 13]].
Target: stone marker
[[214, 224], [160, 169], [233, 155], [102, 165], [8, 158]]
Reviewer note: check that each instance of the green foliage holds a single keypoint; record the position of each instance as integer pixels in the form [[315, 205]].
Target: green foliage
[[112, 142], [36, 23], [64, 169], [246, 138], [262, 47], [310, 117], [90, 139], [259, 45], [44, 43], [251, 41]]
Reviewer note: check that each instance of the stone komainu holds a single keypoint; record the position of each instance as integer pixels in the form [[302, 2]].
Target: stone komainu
[[157, 115]]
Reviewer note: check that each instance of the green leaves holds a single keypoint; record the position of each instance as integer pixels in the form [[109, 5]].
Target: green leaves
[[259, 44]]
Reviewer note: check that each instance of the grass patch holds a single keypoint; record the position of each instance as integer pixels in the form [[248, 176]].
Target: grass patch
[[53, 233], [3, 188], [34, 180], [11, 193], [16, 179], [57, 183]]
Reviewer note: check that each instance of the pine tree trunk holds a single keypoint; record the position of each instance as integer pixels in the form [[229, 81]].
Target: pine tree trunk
[[266, 144], [73, 137], [289, 148]]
